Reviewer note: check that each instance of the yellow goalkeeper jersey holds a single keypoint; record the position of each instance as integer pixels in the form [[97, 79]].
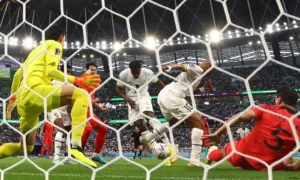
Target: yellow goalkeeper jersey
[[36, 65]]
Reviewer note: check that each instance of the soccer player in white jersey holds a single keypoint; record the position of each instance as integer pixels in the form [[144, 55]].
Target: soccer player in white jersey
[[137, 76], [174, 106], [61, 118], [243, 131]]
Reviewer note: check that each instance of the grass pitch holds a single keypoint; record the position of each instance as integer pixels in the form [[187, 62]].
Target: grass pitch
[[122, 169]]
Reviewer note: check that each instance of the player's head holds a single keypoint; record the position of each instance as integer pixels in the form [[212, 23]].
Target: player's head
[[92, 67], [286, 96], [135, 68], [56, 33], [243, 126], [69, 69]]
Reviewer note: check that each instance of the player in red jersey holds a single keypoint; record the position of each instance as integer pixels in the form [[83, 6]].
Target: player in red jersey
[[270, 139], [47, 128], [93, 123], [206, 143]]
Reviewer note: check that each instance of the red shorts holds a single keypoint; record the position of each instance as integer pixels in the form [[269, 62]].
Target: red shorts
[[206, 143], [48, 141], [94, 122], [237, 160]]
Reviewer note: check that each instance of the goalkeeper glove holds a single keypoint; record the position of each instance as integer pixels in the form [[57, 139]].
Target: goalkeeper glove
[[88, 82], [11, 105]]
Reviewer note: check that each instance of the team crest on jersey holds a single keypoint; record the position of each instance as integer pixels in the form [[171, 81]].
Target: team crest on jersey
[[57, 51]]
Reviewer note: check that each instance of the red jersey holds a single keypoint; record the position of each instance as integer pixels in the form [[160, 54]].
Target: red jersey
[[271, 138], [48, 129], [92, 98], [206, 143]]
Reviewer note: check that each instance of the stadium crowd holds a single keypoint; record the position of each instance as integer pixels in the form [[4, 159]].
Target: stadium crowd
[[269, 78]]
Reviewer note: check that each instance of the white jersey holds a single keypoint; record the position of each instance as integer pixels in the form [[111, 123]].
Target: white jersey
[[243, 132], [126, 77], [185, 79], [58, 83]]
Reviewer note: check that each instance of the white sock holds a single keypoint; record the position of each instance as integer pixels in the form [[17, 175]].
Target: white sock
[[165, 139], [157, 132], [95, 154], [57, 144], [196, 144]]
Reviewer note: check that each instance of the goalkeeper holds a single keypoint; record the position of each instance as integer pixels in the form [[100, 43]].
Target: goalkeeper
[[41, 68]]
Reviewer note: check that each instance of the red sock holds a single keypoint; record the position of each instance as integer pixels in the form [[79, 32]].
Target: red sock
[[49, 151], [215, 155], [42, 151], [85, 136], [100, 138]]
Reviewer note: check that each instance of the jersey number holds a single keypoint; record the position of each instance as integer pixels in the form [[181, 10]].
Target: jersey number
[[280, 142]]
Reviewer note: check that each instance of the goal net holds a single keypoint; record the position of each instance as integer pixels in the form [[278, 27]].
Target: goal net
[[242, 85]]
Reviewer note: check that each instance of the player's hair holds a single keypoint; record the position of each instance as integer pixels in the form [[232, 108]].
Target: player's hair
[[87, 66], [55, 32], [288, 95], [136, 64], [62, 67]]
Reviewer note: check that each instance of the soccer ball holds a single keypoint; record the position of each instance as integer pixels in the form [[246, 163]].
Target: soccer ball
[[161, 151]]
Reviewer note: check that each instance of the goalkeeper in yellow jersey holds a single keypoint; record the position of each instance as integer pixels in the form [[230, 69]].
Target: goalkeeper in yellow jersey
[[40, 68]]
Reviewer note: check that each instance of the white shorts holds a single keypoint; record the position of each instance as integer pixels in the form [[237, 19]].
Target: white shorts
[[144, 104], [55, 114], [173, 106]]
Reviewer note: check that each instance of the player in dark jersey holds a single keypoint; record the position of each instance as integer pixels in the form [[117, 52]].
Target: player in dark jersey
[[272, 135], [135, 139]]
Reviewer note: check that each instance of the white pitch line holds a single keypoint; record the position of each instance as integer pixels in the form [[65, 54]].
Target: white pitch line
[[120, 177]]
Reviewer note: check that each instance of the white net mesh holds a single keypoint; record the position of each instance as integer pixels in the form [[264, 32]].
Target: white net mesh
[[157, 50]]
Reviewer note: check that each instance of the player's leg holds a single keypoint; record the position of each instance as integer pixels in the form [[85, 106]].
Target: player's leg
[[86, 134], [43, 149], [69, 95], [100, 139], [49, 151], [236, 160], [140, 151], [28, 120], [135, 150], [55, 117]]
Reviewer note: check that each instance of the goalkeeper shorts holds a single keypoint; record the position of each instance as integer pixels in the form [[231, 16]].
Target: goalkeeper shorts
[[30, 105]]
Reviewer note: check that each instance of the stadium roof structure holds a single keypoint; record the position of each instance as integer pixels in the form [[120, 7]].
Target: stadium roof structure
[[196, 17]]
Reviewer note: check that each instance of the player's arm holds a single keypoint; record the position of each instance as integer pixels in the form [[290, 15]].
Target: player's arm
[[121, 92], [156, 81], [246, 116], [96, 105], [52, 62], [184, 67], [42, 130]]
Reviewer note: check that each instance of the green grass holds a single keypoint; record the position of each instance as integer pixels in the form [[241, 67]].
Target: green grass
[[124, 170]]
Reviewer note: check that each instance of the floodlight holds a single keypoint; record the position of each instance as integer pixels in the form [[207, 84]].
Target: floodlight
[[77, 43], [84, 56], [291, 38], [150, 43], [28, 43], [214, 35], [269, 28], [117, 46], [91, 55]]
